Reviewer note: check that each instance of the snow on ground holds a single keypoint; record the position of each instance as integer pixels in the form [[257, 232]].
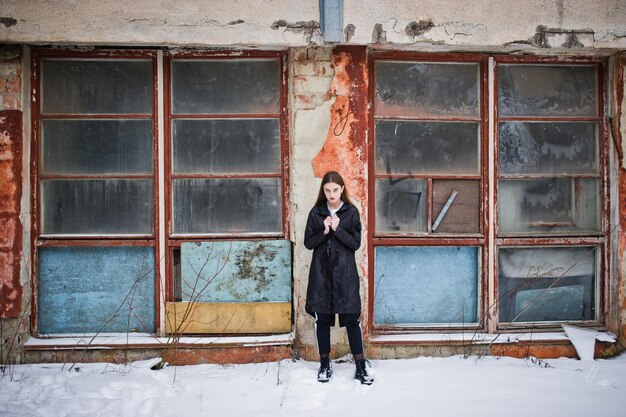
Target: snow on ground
[[440, 387]]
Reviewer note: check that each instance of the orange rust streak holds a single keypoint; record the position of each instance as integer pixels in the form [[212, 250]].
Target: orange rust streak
[[10, 225], [345, 146]]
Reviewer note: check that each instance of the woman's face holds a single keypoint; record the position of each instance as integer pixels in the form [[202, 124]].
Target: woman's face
[[333, 191]]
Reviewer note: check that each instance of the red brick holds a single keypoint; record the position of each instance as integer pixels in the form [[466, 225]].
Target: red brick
[[12, 85], [11, 101], [8, 189], [7, 231]]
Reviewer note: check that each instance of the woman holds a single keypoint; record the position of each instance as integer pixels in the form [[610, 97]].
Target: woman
[[333, 232]]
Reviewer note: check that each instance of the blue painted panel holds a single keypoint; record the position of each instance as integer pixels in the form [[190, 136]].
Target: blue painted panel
[[419, 285], [96, 289], [236, 271]]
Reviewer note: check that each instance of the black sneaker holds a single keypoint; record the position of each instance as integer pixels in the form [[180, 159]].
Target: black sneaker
[[325, 372], [361, 372]]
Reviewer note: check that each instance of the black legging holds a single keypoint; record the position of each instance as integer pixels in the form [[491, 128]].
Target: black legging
[[349, 321]]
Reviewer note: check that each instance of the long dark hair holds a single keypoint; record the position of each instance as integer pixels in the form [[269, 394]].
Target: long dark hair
[[332, 176]]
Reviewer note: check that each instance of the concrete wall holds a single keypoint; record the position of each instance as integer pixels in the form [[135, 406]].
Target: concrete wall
[[419, 24]]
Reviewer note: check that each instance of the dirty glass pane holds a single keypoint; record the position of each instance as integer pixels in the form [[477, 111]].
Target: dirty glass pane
[[96, 207], [226, 86], [96, 147], [227, 206], [226, 145], [404, 147], [425, 285], [547, 90], [401, 205], [96, 86], [548, 148], [96, 290], [463, 212], [540, 206], [547, 284], [420, 89]]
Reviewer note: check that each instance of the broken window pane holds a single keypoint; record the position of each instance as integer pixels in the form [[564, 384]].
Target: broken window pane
[[96, 290], [92, 86], [547, 90], [420, 89], [462, 215], [96, 147], [406, 147], [425, 285], [204, 206], [547, 284], [548, 148], [226, 86], [401, 205], [549, 205], [226, 145], [96, 207]]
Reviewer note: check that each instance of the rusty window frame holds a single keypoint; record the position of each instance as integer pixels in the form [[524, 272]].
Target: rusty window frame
[[174, 241], [89, 240], [599, 240], [478, 240]]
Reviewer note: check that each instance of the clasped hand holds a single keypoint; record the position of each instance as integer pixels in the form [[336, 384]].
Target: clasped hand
[[331, 223]]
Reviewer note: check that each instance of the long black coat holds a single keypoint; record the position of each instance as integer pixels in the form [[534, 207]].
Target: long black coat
[[333, 277]]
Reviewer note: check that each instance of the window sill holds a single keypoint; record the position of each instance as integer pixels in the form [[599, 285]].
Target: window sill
[[476, 338], [146, 341]]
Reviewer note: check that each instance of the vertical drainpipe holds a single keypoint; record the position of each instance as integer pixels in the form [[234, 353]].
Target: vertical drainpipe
[[331, 20]]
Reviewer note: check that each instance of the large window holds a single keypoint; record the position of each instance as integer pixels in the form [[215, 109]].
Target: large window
[[430, 196], [99, 228], [550, 175], [429, 178]]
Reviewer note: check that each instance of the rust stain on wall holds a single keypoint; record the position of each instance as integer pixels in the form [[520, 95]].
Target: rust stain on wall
[[10, 225], [345, 147]]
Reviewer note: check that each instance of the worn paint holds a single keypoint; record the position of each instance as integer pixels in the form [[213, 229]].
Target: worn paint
[[10, 224], [345, 147], [96, 289], [227, 318], [236, 271]]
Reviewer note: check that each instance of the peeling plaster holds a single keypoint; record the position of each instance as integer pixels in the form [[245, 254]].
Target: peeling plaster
[[348, 32], [10, 203], [378, 34], [344, 149], [415, 29]]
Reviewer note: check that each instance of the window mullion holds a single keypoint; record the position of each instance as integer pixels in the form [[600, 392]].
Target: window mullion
[[491, 316], [162, 242]]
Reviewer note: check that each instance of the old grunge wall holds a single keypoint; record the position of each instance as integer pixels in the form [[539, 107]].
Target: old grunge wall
[[329, 133], [420, 23], [10, 187]]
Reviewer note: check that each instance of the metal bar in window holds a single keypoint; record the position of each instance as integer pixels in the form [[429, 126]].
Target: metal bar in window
[[226, 116], [548, 119], [99, 177], [550, 241], [95, 116], [233, 175], [429, 118], [532, 176], [58, 241], [423, 240], [433, 176]]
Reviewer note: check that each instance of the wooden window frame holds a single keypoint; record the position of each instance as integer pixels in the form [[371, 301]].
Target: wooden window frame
[[37, 239], [478, 240], [173, 241], [489, 240], [600, 240]]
